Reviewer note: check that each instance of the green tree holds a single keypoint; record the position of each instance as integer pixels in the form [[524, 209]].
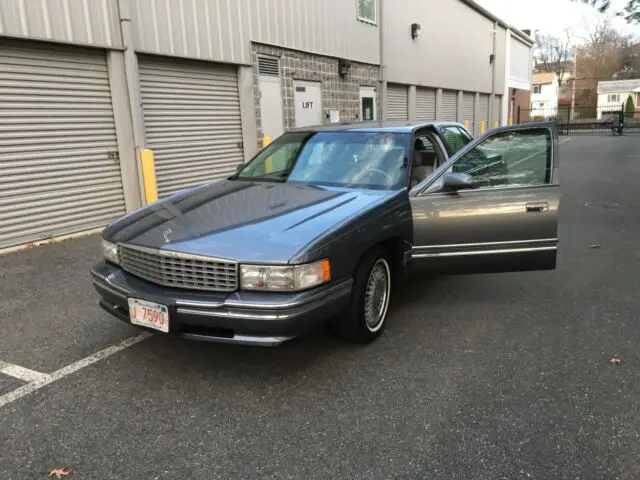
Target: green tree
[[629, 108], [631, 12]]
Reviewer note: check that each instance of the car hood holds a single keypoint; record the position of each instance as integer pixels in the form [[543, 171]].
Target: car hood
[[242, 220]]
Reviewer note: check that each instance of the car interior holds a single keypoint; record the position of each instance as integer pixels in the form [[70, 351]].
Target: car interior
[[425, 160]]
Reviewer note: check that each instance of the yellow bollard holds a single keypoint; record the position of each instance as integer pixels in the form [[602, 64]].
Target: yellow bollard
[[483, 126], [466, 124], [149, 176], [268, 163], [510, 121]]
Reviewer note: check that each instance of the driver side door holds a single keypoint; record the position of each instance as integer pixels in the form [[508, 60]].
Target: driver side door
[[493, 206]]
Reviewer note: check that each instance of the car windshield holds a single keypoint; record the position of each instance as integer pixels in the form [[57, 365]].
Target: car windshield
[[347, 159]]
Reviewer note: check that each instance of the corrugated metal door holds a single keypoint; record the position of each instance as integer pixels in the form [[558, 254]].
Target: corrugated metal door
[[449, 105], [192, 121], [397, 102], [468, 103], [59, 166], [425, 103], [497, 110], [483, 112]]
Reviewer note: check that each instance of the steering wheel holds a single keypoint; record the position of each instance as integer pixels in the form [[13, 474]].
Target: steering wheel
[[378, 172]]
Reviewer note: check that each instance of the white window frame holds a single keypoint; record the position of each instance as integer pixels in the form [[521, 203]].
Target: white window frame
[[373, 21], [537, 87], [611, 96]]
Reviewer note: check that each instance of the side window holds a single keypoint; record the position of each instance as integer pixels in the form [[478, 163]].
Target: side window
[[425, 158], [509, 158], [455, 138]]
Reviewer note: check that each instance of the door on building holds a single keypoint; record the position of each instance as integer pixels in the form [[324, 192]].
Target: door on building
[[59, 164], [192, 120], [307, 98], [368, 103], [270, 97]]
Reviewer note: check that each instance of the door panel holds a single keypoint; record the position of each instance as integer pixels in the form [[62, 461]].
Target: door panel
[[508, 222]]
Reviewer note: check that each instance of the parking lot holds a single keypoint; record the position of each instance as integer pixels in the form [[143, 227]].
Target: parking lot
[[488, 376]]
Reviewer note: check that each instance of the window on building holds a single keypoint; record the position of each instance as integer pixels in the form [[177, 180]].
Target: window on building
[[537, 89], [367, 10], [613, 98]]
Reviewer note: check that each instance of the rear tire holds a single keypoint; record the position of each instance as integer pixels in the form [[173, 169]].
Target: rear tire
[[365, 318]]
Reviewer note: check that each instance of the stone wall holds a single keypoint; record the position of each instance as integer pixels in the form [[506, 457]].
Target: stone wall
[[338, 93]]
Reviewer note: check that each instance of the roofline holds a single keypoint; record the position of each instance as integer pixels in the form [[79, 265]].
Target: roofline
[[480, 9]]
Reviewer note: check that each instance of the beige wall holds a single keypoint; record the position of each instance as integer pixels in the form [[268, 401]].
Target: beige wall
[[452, 51], [92, 22]]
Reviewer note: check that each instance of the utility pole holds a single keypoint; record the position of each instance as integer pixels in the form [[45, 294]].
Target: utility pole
[[573, 84]]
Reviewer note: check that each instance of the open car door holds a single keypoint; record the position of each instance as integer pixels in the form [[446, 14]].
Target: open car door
[[493, 206]]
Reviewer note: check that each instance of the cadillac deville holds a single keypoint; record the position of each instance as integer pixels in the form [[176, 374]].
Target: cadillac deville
[[320, 226]]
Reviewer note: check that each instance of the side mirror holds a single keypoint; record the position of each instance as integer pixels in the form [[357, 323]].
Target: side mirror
[[452, 182], [239, 167]]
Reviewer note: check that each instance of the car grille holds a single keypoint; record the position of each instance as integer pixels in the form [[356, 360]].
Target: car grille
[[180, 270]]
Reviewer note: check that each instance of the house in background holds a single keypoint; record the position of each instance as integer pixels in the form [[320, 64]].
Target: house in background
[[544, 95], [612, 95]]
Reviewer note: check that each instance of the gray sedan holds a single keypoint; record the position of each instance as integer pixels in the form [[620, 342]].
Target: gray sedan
[[319, 226]]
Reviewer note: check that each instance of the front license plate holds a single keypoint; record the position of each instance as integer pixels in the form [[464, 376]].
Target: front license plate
[[149, 314]]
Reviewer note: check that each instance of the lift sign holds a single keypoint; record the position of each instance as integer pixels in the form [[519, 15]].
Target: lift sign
[[307, 104]]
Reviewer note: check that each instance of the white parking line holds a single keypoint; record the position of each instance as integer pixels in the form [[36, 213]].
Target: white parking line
[[22, 373], [564, 140], [44, 379]]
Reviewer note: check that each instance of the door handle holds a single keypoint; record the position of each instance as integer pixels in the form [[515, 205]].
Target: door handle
[[539, 207]]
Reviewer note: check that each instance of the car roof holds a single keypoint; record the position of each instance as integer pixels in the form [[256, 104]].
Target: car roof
[[385, 126]]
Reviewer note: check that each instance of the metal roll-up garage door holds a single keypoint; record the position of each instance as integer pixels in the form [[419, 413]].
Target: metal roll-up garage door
[[468, 103], [483, 112], [192, 121], [59, 165], [497, 110], [425, 103], [397, 102], [449, 105]]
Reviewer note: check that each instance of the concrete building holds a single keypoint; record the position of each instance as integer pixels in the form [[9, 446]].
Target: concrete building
[[87, 85]]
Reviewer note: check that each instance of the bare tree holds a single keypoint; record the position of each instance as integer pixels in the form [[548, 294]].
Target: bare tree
[[631, 12], [601, 56], [554, 54]]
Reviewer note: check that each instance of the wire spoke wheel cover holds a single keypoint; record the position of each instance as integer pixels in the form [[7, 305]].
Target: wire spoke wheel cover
[[377, 293]]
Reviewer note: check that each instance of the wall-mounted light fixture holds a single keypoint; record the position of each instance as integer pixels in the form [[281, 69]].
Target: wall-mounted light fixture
[[415, 30], [343, 67]]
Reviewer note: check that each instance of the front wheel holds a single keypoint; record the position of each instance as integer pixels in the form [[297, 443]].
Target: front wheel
[[365, 318]]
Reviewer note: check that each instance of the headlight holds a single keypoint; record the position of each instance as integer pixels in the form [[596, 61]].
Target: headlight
[[110, 252], [284, 279]]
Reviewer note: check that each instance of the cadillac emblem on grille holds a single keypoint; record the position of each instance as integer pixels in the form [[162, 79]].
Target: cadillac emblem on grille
[[179, 270]]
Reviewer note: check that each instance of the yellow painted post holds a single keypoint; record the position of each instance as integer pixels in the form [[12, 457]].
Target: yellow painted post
[[483, 126], [149, 176], [268, 163], [466, 124], [510, 121]]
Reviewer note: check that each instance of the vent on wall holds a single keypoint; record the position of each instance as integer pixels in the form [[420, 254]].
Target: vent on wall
[[269, 66]]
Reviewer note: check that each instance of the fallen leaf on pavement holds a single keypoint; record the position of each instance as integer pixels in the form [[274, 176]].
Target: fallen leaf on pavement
[[60, 472], [615, 361]]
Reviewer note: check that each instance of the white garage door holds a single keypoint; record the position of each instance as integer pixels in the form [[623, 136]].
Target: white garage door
[[468, 104], [59, 166], [449, 105], [397, 102], [425, 103], [482, 115], [192, 121]]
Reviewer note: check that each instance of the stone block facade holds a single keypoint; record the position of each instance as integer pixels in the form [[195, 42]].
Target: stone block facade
[[342, 94]]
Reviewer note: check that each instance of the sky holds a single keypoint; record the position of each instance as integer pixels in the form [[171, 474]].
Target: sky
[[553, 16]]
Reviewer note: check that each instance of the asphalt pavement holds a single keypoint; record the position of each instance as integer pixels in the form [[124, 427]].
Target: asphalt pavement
[[504, 376]]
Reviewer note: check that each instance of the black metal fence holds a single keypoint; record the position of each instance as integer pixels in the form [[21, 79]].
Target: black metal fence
[[581, 120]]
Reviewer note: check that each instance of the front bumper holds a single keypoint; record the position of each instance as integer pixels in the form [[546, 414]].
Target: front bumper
[[249, 318]]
